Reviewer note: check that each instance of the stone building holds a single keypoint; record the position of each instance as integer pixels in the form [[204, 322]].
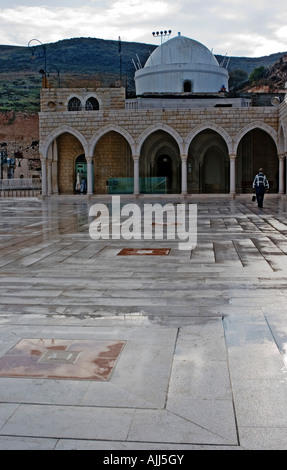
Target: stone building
[[181, 135]]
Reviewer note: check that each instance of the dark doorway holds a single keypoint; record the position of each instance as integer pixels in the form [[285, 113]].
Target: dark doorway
[[163, 168], [214, 172], [187, 86]]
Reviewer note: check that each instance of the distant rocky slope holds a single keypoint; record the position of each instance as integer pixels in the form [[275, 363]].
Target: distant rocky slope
[[276, 76]]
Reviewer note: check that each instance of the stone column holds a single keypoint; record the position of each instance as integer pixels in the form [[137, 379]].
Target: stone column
[[55, 167], [89, 175], [44, 176], [50, 186], [55, 177], [136, 159], [232, 159], [183, 174], [281, 173]]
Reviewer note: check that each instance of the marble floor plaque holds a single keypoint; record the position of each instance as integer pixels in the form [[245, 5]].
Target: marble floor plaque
[[61, 359], [144, 252]]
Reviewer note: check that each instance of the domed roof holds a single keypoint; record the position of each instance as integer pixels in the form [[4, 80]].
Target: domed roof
[[181, 50], [181, 65]]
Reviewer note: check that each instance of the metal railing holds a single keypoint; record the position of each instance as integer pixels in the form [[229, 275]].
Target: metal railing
[[148, 185]]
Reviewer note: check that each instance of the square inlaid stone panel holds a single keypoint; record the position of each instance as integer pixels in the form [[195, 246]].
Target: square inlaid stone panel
[[61, 359], [144, 251]]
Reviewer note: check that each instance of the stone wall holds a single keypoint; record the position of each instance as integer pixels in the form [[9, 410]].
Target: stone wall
[[19, 131], [113, 135], [56, 99], [135, 123]]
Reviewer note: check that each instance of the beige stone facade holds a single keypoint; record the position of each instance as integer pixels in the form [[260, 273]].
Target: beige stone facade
[[213, 147]]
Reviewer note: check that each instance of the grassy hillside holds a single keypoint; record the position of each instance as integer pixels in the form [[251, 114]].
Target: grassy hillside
[[80, 62]]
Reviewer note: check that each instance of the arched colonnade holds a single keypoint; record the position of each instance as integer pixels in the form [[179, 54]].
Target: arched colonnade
[[232, 145]]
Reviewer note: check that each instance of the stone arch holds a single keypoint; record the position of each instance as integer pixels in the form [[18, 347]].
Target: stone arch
[[112, 150], [75, 104], [160, 159], [255, 125], [207, 144], [210, 126], [92, 104], [56, 133], [104, 130], [208, 161], [161, 127], [256, 145], [70, 97], [67, 149], [92, 96]]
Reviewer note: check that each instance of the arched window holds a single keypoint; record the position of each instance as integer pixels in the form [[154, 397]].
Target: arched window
[[74, 104], [187, 86], [92, 104]]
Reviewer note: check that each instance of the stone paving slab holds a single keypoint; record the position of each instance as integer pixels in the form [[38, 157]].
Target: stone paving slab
[[152, 389], [204, 362]]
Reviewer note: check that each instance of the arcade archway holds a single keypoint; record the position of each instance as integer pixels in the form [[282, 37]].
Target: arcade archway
[[256, 150], [208, 164], [160, 164]]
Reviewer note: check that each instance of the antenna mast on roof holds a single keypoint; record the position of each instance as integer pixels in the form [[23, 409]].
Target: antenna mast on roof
[[222, 63], [120, 54], [139, 62], [137, 65]]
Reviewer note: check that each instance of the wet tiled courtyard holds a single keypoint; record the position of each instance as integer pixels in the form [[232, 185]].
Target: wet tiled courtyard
[[158, 348]]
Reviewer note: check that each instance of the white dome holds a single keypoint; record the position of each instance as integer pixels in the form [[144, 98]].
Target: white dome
[[181, 50], [178, 62]]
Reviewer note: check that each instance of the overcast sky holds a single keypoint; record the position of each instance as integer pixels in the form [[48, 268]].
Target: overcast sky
[[249, 28]]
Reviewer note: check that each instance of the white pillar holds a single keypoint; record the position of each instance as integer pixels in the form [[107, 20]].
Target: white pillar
[[50, 187], [232, 159], [281, 173], [55, 188], [55, 177], [44, 176], [89, 175], [136, 174], [183, 174]]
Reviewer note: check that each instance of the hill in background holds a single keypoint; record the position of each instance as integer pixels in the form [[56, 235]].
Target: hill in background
[[82, 62]]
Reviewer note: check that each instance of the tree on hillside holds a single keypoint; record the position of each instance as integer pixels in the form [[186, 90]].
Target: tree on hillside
[[257, 74], [236, 77]]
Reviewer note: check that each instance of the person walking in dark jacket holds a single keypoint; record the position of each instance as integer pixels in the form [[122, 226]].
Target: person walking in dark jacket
[[261, 185]]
